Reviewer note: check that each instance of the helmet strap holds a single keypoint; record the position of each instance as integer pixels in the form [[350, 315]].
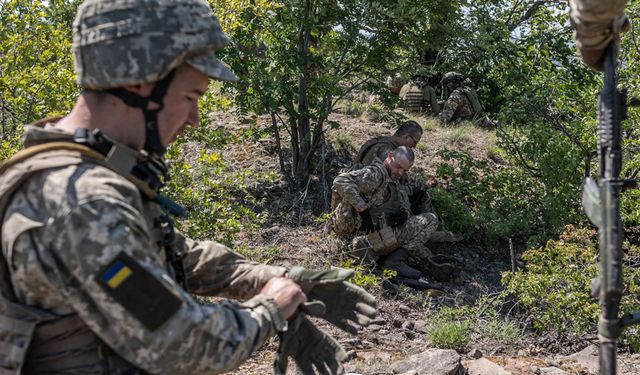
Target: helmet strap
[[152, 136]]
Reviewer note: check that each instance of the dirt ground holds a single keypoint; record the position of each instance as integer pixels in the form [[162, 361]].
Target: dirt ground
[[294, 227]]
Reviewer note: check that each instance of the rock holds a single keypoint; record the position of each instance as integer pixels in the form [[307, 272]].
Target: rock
[[397, 323], [475, 354], [379, 321], [587, 357], [551, 371], [409, 334], [411, 372], [420, 326], [431, 362], [484, 366], [404, 309], [374, 327], [408, 324], [521, 353]]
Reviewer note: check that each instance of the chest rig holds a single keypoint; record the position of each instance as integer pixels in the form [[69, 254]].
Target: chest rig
[[33, 341]]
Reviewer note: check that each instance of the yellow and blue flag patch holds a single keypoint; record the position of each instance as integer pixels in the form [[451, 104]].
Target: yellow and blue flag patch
[[116, 274]]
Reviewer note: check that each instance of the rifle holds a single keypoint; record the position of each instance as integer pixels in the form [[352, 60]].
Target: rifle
[[601, 204]]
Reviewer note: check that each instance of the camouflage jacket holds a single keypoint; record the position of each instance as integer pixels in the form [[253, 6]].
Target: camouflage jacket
[[371, 186], [593, 21], [375, 148], [459, 106], [63, 230]]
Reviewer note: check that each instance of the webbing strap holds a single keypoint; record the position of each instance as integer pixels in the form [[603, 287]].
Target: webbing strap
[[28, 152], [15, 326]]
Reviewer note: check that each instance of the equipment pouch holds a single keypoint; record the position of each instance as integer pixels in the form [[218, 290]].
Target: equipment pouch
[[383, 241]]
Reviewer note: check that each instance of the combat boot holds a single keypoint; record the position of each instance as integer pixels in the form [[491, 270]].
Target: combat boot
[[396, 261]]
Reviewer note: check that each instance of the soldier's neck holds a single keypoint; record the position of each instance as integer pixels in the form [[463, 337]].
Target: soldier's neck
[[102, 111]]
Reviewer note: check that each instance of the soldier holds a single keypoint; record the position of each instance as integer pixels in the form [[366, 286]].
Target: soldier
[[408, 134], [417, 95], [93, 277], [597, 22], [463, 103], [374, 210]]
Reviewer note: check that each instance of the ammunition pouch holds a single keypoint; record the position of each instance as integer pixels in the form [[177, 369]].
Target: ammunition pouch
[[383, 241]]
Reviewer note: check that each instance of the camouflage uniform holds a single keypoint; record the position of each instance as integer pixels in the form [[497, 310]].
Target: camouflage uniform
[[373, 185], [64, 226], [416, 97], [595, 22], [459, 106]]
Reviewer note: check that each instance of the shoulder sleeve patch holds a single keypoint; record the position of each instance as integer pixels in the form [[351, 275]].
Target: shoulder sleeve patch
[[145, 297]]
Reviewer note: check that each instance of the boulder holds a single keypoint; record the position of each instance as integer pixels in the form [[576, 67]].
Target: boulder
[[431, 362]]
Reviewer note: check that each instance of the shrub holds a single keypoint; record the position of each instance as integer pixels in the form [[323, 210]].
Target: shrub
[[449, 334], [555, 285], [452, 212]]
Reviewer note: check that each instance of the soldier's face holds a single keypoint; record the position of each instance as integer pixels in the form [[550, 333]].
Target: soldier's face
[[181, 103], [411, 140], [398, 167]]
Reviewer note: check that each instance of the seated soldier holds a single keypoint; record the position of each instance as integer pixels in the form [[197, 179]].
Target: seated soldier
[[373, 210], [417, 95], [409, 135], [463, 103]]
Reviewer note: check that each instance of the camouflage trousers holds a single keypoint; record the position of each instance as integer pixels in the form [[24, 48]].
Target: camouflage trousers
[[412, 235]]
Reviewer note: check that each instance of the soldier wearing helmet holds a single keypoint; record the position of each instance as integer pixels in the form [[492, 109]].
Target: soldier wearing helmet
[[418, 96], [93, 276], [462, 103]]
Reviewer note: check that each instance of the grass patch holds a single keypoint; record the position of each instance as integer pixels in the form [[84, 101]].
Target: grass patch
[[460, 135], [344, 141], [447, 334], [501, 330]]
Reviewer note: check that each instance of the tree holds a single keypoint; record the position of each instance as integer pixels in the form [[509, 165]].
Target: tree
[[298, 58]]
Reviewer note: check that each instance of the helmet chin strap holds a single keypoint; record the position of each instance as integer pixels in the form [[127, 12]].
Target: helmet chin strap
[[152, 136]]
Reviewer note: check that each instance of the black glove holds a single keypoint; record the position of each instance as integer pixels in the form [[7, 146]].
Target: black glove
[[367, 222], [397, 218], [314, 351], [347, 306]]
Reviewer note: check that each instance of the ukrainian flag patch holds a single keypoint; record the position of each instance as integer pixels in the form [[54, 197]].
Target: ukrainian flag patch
[[116, 274]]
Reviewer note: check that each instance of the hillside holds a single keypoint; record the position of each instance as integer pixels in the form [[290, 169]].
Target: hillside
[[292, 232]]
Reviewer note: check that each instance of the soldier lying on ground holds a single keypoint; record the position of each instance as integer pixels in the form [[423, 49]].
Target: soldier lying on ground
[[462, 103], [93, 276], [373, 213]]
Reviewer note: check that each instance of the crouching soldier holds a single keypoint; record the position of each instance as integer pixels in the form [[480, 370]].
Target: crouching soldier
[[373, 210]]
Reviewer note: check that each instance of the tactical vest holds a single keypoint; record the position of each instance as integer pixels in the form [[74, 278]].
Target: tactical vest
[[33, 341], [414, 98], [473, 99], [368, 145]]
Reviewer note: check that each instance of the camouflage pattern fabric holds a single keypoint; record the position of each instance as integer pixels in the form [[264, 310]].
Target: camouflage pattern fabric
[[375, 148], [458, 107], [412, 96], [372, 184], [595, 19], [63, 226], [128, 42]]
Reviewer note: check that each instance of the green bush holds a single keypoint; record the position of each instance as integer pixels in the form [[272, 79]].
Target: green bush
[[555, 285], [455, 216]]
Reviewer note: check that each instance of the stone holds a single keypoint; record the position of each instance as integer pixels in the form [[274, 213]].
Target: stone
[[420, 326], [587, 357], [483, 366], [411, 372], [374, 327], [551, 371], [431, 362], [408, 324], [397, 323], [475, 353], [404, 309]]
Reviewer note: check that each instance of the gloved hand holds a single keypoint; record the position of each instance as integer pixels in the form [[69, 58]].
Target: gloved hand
[[367, 222], [310, 348], [397, 218], [348, 306]]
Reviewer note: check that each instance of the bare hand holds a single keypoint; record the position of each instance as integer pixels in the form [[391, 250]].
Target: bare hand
[[287, 294]]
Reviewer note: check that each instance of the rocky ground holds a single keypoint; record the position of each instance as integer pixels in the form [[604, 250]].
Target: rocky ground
[[398, 341]]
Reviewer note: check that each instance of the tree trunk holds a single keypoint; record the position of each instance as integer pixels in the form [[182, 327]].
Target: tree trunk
[[301, 168]]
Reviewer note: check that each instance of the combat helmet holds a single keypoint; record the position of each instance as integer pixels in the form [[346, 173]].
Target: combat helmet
[[129, 42], [452, 78]]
